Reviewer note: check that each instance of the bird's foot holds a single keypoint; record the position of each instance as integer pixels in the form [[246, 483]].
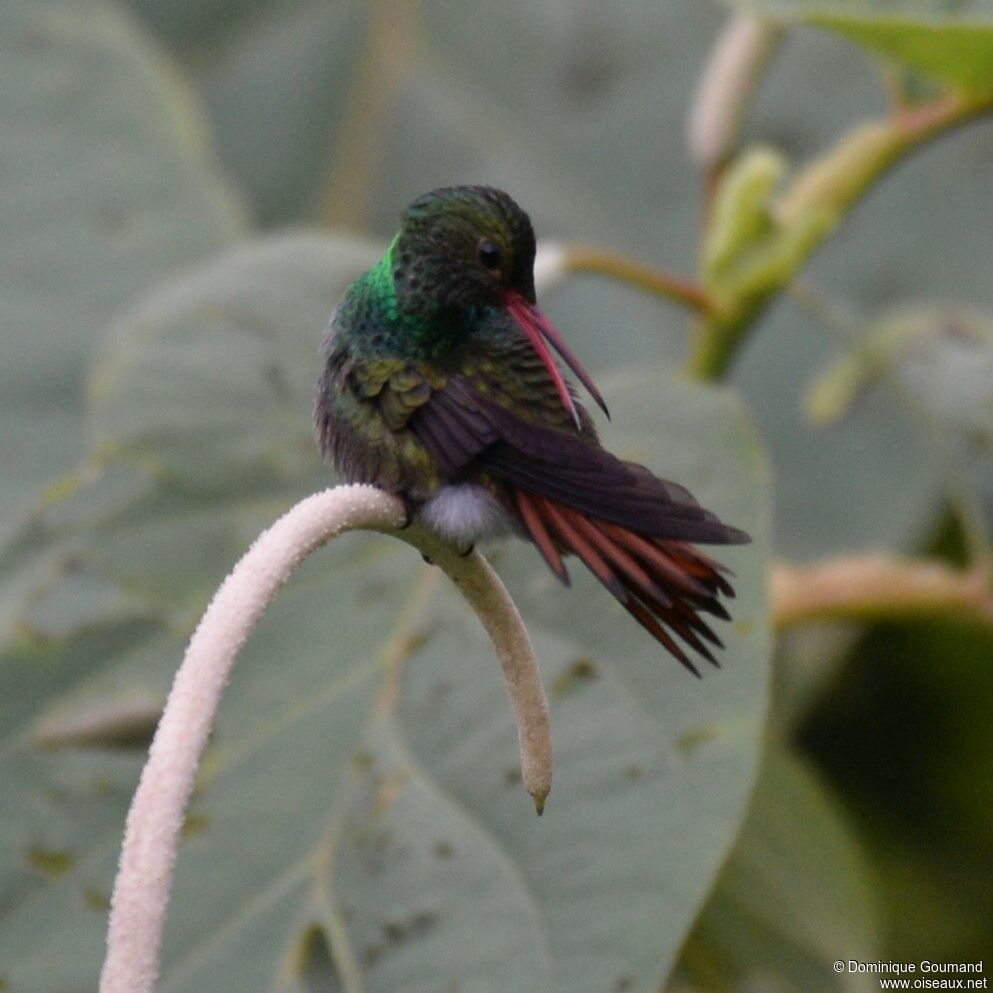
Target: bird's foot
[[464, 553], [409, 511]]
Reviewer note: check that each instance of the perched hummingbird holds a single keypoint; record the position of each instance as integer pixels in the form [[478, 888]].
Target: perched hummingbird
[[440, 386]]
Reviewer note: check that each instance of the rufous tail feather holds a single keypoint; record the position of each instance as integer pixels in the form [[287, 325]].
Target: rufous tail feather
[[664, 584]]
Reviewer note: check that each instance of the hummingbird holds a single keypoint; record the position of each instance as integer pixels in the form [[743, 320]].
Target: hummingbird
[[440, 386]]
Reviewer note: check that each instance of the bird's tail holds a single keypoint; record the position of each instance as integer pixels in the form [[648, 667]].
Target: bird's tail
[[663, 583]]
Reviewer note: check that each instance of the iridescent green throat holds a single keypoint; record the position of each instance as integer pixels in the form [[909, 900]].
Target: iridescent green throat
[[372, 316]]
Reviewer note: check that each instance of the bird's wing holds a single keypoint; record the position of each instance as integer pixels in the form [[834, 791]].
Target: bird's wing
[[463, 428], [397, 387], [632, 530], [362, 407]]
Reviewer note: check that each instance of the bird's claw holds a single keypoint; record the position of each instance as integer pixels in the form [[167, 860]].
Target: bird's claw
[[409, 511]]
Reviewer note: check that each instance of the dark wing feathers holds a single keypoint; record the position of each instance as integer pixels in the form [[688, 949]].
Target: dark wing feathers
[[631, 530], [459, 426], [451, 431]]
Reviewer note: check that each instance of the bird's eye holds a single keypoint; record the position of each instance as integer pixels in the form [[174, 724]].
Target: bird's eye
[[489, 254]]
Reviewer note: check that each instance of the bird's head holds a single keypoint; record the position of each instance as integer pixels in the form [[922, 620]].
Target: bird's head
[[463, 247]]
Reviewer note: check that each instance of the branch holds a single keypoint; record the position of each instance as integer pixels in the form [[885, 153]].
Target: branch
[[555, 261], [840, 178], [148, 854], [818, 199], [879, 587]]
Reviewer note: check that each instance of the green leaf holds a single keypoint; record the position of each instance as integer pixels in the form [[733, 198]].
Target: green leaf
[[210, 378], [362, 785], [937, 360], [203, 391], [106, 191], [60, 804], [748, 252], [193, 26], [282, 72], [793, 898], [952, 42]]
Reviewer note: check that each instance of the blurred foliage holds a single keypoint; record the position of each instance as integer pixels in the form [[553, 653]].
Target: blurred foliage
[[106, 190], [922, 801], [951, 41], [760, 928], [939, 359], [160, 352]]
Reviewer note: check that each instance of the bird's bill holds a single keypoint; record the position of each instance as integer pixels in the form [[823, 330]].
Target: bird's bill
[[540, 331]]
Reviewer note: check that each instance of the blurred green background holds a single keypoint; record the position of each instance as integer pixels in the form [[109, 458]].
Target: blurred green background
[[188, 188]]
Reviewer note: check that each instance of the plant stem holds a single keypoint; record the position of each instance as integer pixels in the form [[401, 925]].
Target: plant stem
[[840, 178], [148, 855], [586, 258], [879, 587], [828, 188]]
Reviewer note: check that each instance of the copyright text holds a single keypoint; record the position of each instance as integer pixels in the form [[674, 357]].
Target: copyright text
[[922, 975]]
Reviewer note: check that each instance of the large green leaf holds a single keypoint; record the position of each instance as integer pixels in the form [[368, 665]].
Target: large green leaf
[[193, 26], [793, 899], [951, 41], [59, 805], [106, 190], [360, 811]]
